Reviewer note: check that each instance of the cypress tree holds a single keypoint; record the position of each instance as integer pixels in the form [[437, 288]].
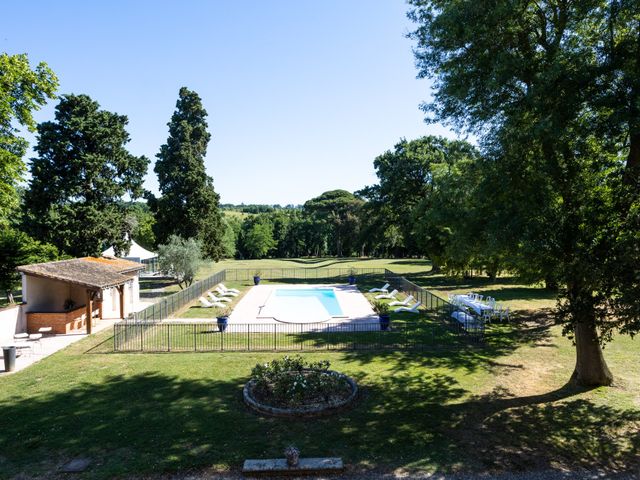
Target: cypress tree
[[189, 205]]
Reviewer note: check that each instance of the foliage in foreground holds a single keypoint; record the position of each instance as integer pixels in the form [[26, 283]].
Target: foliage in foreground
[[22, 90], [18, 248], [552, 89]]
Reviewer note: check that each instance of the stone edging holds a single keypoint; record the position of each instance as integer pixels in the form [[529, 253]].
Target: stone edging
[[300, 411]]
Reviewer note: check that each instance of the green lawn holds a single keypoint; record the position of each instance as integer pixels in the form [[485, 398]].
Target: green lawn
[[459, 406], [502, 406]]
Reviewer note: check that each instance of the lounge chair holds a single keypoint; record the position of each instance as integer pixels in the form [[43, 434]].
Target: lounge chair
[[391, 295], [207, 304], [413, 308], [224, 293], [383, 289], [404, 303], [234, 290], [218, 299]]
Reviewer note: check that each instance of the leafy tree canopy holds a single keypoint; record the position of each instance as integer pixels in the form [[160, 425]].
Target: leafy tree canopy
[[17, 248], [180, 258], [79, 178], [552, 89], [339, 212], [22, 90]]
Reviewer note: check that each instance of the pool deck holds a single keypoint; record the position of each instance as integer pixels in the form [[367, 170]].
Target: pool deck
[[355, 306]]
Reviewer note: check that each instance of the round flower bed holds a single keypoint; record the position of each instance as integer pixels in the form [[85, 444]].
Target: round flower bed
[[291, 387]]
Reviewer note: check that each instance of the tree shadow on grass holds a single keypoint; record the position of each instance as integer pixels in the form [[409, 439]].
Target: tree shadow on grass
[[332, 261], [499, 431], [418, 420]]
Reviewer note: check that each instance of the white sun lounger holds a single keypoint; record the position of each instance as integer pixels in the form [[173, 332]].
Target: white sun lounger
[[218, 299], [234, 290], [391, 295], [207, 304], [383, 289], [413, 308], [224, 293], [403, 303]]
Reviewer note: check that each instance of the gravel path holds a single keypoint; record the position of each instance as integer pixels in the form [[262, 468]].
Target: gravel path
[[534, 475]]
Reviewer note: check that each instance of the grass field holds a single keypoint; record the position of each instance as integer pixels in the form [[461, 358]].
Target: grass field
[[502, 406]]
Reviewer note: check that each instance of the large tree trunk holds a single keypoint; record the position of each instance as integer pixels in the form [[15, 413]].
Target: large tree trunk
[[550, 283], [435, 267], [591, 369]]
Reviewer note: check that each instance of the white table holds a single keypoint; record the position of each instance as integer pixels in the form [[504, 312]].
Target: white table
[[475, 305]]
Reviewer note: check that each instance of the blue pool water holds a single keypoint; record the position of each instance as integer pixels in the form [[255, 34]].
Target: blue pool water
[[326, 296]]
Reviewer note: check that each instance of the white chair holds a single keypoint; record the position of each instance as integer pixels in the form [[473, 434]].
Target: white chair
[[412, 309], [207, 304], [504, 314], [34, 339], [383, 289], [234, 290], [403, 303], [486, 315], [391, 295], [223, 293], [218, 299]]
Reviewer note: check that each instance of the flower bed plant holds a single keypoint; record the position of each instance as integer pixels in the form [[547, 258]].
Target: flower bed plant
[[292, 382]]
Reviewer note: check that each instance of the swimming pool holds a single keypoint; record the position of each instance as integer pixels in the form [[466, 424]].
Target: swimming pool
[[302, 305]]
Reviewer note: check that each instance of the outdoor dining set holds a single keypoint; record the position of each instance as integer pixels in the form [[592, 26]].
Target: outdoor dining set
[[485, 308]]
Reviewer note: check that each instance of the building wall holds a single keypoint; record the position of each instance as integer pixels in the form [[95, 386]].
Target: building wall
[[111, 299], [47, 295], [12, 321]]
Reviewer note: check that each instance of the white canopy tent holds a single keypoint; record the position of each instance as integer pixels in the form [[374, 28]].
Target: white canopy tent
[[136, 252]]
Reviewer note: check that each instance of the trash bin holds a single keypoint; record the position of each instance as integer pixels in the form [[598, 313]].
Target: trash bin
[[9, 355]]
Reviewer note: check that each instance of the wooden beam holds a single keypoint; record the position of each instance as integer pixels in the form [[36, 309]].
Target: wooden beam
[[89, 311], [121, 292]]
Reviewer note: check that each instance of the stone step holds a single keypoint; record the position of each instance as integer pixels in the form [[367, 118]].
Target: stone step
[[305, 466]]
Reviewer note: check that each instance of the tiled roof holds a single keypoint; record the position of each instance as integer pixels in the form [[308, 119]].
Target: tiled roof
[[90, 272]]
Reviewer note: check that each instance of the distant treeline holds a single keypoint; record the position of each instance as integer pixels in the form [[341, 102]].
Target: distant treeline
[[257, 208]]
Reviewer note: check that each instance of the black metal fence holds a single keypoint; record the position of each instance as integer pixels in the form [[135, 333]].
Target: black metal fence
[[172, 303], [149, 330], [244, 274], [210, 337], [433, 304]]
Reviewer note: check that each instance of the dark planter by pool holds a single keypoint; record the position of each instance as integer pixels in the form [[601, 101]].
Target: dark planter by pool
[[352, 279], [222, 323], [384, 322], [256, 279]]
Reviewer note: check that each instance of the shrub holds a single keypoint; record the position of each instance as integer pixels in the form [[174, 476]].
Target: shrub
[[291, 381]]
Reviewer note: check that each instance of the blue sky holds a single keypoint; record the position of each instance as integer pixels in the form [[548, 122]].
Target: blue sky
[[301, 95]]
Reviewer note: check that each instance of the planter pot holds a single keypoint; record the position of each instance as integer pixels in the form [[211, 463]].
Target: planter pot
[[256, 279], [222, 323], [292, 458], [352, 279], [384, 322]]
